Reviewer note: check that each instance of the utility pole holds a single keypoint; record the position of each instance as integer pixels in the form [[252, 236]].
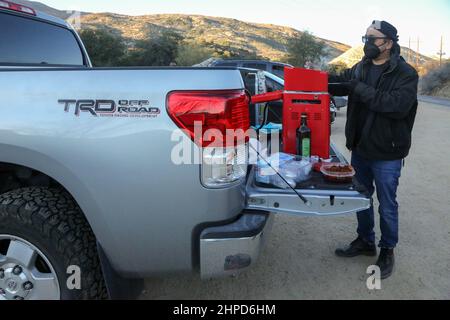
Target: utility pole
[[409, 51], [441, 53], [417, 54]]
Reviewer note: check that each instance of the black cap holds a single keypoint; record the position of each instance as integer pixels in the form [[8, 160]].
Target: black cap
[[385, 28]]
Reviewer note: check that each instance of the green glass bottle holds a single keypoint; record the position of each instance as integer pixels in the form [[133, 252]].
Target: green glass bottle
[[304, 137]]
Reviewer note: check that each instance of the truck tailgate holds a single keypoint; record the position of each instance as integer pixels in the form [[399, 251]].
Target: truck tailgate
[[324, 198]]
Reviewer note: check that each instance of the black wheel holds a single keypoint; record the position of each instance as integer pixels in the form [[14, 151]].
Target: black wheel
[[45, 244]]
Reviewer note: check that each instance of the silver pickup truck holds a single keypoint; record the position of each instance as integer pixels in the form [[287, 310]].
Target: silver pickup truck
[[91, 200]]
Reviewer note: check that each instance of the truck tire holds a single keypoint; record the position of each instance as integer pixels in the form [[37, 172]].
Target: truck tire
[[47, 248]]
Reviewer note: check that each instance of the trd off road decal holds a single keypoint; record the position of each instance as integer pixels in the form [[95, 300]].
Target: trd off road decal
[[111, 108]]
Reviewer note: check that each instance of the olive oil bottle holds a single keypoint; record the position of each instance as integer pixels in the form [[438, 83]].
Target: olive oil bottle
[[304, 138]]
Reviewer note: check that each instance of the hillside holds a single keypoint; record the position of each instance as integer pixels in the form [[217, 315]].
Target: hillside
[[228, 34], [224, 34], [437, 81], [442, 91], [354, 55]]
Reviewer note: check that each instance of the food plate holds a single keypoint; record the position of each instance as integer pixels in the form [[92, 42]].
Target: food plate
[[337, 172]]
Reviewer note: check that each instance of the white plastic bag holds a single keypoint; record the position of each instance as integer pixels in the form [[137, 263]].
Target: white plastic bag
[[285, 164], [298, 171]]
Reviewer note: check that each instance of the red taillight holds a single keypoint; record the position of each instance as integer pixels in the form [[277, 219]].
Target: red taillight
[[16, 7], [217, 111]]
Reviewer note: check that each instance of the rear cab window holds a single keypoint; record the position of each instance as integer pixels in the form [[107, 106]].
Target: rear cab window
[[272, 85], [30, 41], [277, 67], [278, 70], [249, 82]]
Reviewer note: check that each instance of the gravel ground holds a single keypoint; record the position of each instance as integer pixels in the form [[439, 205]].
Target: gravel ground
[[299, 262]]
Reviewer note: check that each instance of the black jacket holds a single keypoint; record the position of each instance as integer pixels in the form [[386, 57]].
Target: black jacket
[[392, 108]]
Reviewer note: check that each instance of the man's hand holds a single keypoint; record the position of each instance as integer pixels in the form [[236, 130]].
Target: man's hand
[[352, 85], [343, 88]]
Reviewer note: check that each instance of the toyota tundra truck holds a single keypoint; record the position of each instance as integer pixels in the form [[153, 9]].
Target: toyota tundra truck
[[91, 199]]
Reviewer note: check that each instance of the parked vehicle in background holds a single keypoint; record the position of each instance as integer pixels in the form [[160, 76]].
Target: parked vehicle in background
[[333, 109], [340, 102], [276, 68]]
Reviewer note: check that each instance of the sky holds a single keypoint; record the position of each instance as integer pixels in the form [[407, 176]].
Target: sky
[[344, 21]]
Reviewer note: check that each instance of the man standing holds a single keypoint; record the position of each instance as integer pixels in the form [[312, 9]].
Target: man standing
[[382, 105]]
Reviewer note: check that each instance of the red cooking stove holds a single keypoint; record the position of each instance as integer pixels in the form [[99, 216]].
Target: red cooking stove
[[305, 91]]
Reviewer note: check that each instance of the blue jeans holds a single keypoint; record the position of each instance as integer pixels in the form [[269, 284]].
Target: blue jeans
[[386, 176]]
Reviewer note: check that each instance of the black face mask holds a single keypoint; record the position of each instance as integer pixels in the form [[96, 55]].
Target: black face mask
[[371, 50]]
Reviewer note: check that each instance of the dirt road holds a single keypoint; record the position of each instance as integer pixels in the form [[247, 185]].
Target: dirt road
[[299, 260]]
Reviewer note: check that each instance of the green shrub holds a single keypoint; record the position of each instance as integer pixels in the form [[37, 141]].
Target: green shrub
[[435, 79]]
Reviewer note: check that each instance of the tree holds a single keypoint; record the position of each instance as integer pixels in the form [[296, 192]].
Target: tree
[[304, 49], [337, 68], [191, 53], [104, 49], [161, 50]]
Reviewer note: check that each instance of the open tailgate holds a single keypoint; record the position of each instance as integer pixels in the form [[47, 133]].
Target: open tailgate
[[324, 198]]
